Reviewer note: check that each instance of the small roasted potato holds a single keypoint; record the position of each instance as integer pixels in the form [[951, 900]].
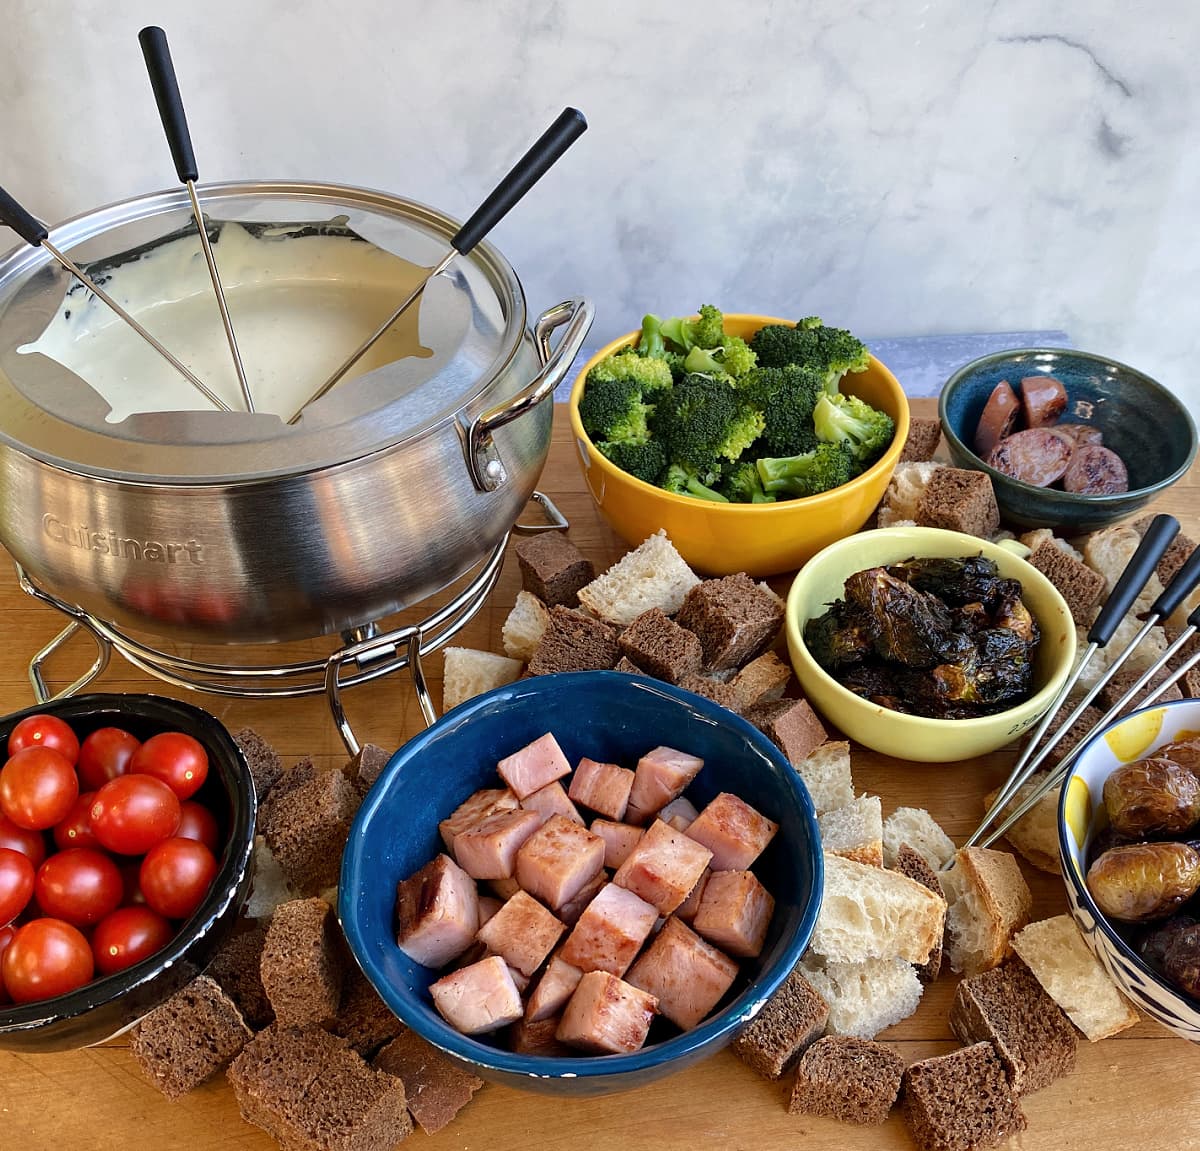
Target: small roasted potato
[[1185, 752], [1154, 796], [1144, 881], [1181, 961]]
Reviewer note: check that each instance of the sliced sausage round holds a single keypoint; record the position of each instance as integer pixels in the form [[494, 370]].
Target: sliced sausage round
[[1044, 399], [1094, 470], [999, 415], [1035, 456], [1080, 434]]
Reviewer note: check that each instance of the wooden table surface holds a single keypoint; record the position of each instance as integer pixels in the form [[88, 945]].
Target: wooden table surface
[[1134, 1090]]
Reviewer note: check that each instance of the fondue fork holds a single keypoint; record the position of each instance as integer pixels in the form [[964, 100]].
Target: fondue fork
[[174, 121], [1136, 575], [527, 171], [37, 235]]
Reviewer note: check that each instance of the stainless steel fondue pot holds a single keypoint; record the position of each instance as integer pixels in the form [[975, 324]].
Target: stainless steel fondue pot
[[232, 526]]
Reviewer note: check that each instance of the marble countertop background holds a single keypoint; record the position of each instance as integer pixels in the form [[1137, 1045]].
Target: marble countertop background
[[900, 167]]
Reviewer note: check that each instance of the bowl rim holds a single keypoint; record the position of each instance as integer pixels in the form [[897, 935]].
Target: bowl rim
[[231, 867], [1110, 500], [470, 1050], [1048, 691], [887, 461], [1080, 887]]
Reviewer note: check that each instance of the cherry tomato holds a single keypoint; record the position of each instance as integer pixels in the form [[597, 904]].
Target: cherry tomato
[[6, 934], [16, 884], [132, 813], [129, 869], [76, 829], [37, 787], [177, 759], [30, 843], [104, 755], [197, 822], [46, 957], [44, 731], [79, 885], [176, 875], [127, 936]]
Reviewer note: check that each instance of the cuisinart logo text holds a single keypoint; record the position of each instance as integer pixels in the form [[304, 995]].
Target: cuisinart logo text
[[122, 547]]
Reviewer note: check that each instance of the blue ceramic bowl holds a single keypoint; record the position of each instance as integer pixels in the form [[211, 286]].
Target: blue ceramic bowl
[[1144, 423], [608, 716], [111, 1003]]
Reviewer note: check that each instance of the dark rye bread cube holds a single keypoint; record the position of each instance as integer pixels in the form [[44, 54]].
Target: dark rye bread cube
[[289, 779], [436, 1089], [723, 693], [1010, 1009], [1125, 677], [791, 725], [310, 1092], [1079, 585], [961, 1101], [924, 435], [841, 1077], [366, 767], [553, 568], [262, 759], [1189, 648], [302, 963], [1174, 557], [574, 642], [236, 967], [363, 1019], [961, 500], [734, 618], [189, 1038], [791, 1019], [306, 829], [627, 665], [912, 863], [658, 645]]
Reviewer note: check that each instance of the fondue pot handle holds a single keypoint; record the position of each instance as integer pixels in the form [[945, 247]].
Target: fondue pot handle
[[487, 469]]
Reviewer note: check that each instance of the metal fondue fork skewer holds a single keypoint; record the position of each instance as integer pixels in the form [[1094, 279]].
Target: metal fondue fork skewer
[[37, 235], [1157, 539], [527, 171], [170, 109]]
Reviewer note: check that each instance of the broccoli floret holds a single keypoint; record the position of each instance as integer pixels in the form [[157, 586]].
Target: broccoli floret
[[685, 482], [651, 342], [830, 351], [826, 466], [706, 331], [865, 431], [736, 356], [706, 363], [613, 410], [733, 358], [743, 485], [703, 421], [642, 461], [786, 396], [649, 374]]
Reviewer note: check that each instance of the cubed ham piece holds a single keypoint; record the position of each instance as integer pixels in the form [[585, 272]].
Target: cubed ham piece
[[556, 986], [734, 912], [559, 860], [479, 998], [688, 908], [663, 867], [661, 775], [505, 888], [570, 911], [536, 1037], [679, 814], [437, 911], [607, 1016], [619, 840], [477, 807], [523, 932], [552, 800], [733, 831], [604, 787], [488, 907], [686, 975], [520, 979], [610, 932], [489, 849], [534, 766]]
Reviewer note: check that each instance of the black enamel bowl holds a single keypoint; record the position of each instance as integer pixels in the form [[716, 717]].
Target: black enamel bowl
[[108, 1005]]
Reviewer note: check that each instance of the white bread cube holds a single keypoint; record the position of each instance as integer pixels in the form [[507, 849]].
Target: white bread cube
[[826, 774], [864, 998], [854, 831], [654, 574], [916, 827], [1109, 551], [1035, 834], [989, 901], [523, 629], [467, 673], [904, 492]]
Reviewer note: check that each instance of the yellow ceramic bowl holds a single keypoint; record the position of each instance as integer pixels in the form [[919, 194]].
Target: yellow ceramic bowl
[[761, 539], [912, 736]]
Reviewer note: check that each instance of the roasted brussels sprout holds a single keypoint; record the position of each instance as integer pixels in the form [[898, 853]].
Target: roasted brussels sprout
[[914, 629], [1144, 881], [1181, 962], [1154, 796], [1152, 946], [840, 638], [957, 582]]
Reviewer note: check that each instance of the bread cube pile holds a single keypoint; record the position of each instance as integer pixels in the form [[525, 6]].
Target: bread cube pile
[[314, 1056]]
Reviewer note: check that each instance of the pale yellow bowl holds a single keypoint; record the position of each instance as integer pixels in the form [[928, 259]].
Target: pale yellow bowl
[[914, 737], [761, 539]]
